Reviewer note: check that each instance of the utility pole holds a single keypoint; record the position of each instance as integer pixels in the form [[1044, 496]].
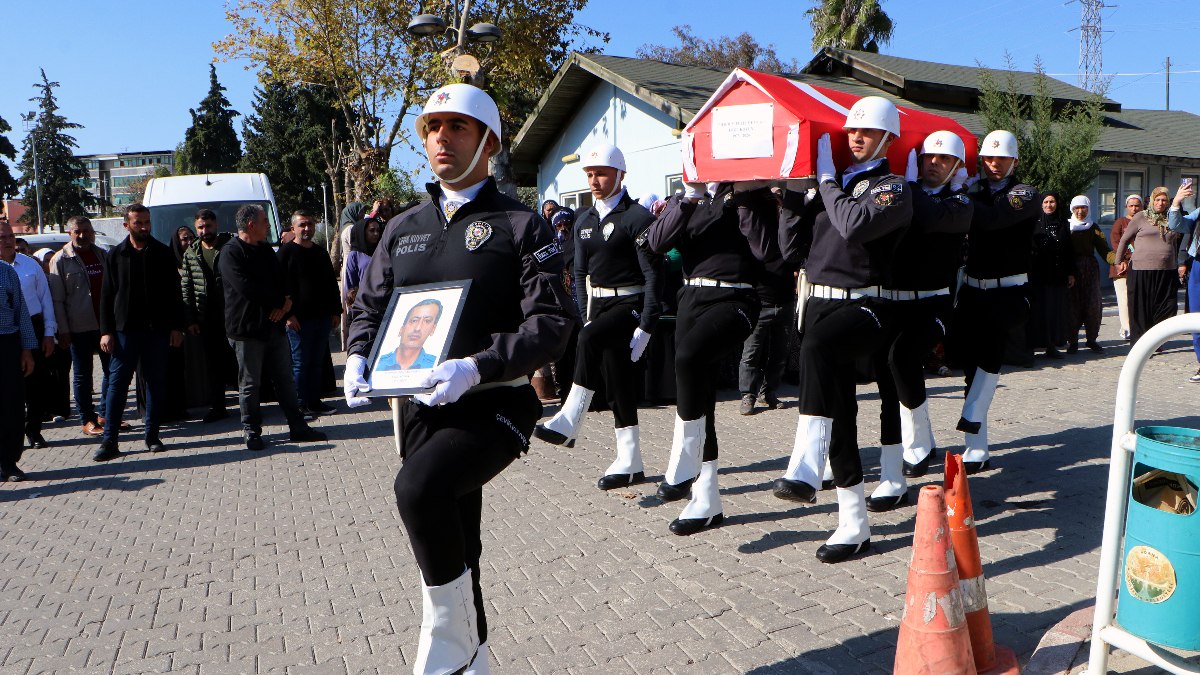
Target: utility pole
[[1168, 83], [31, 127], [1091, 47]]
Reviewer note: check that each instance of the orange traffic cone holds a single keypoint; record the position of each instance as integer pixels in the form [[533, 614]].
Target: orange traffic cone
[[933, 633], [990, 658]]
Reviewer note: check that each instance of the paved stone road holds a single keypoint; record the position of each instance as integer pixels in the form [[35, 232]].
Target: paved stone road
[[213, 559]]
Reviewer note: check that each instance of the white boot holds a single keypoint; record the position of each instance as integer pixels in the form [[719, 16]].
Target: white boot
[[979, 399], [976, 457], [565, 424], [686, 447], [810, 453], [853, 534], [704, 508], [916, 434], [627, 468], [480, 665], [449, 635], [892, 490]]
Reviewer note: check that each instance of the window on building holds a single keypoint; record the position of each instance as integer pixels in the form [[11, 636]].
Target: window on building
[[576, 200], [674, 185], [1106, 186], [1134, 183]]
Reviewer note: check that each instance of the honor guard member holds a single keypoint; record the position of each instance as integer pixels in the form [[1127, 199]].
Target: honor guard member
[[620, 306], [993, 299], [722, 232], [481, 410], [854, 226], [926, 264]]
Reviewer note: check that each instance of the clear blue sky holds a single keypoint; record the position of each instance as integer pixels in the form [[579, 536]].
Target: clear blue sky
[[129, 72]]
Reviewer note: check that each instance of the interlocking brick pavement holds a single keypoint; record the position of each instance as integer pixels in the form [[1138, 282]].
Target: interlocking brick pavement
[[213, 559]]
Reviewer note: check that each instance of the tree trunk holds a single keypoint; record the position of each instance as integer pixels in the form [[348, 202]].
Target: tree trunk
[[502, 172]]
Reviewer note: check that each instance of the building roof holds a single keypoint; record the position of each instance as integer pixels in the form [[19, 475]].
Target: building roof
[[680, 91]]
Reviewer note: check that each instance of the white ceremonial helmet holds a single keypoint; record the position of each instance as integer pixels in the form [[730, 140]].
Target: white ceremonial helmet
[[874, 112], [464, 99], [999, 143], [944, 143], [605, 154]]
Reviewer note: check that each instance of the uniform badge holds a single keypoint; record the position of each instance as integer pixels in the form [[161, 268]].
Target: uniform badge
[[885, 198], [585, 233], [607, 231], [1015, 201], [859, 188], [477, 233]]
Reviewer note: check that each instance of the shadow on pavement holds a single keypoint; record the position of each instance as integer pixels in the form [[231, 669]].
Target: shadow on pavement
[[35, 488]]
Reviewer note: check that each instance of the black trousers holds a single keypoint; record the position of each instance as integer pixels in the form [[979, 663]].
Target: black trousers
[[564, 368], [39, 387], [219, 360], [712, 323], [450, 452], [602, 355], [836, 333], [983, 321], [900, 364], [12, 401]]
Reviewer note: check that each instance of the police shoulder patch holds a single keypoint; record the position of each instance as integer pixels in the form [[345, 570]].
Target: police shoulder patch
[[890, 186], [546, 252], [1015, 200], [585, 233], [1022, 191], [477, 233]]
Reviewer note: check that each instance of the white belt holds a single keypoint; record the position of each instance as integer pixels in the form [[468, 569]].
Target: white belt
[[831, 293], [916, 295], [1002, 282], [705, 281], [602, 292]]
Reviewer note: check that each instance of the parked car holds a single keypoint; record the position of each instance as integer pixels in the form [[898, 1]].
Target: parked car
[[55, 240], [174, 200]]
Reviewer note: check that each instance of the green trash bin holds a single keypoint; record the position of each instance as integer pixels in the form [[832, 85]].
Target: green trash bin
[[1160, 574]]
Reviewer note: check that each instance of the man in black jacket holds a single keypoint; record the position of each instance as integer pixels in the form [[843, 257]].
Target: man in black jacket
[[316, 308], [141, 316], [255, 309]]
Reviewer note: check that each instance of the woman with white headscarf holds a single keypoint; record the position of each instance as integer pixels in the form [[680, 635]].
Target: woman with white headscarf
[[1154, 277], [1087, 241]]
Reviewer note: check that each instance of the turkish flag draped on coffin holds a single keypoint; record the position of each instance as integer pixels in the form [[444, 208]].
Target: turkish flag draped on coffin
[[765, 127]]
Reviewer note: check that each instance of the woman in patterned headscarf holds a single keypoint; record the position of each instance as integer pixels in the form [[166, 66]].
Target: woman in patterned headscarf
[[1154, 276]]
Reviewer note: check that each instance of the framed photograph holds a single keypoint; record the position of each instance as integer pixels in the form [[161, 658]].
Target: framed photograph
[[414, 337]]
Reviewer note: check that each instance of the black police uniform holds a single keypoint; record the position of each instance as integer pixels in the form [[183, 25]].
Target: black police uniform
[[923, 277], [606, 251], [516, 318], [854, 232], [722, 241]]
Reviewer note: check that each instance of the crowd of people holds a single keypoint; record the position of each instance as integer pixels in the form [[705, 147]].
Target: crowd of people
[[872, 267]]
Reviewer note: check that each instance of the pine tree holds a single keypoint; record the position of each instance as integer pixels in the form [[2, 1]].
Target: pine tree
[[210, 145], [60, 173], [8, 184]]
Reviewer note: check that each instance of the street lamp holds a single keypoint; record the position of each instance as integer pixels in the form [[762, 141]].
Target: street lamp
[[28, 120], [431, 25]]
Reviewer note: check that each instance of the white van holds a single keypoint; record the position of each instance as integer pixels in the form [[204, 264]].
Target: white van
[[173, 201]]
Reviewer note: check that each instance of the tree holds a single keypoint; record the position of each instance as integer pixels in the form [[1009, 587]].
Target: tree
[[1056, 143], [290, 137], [379, 74], [136, 188], [60, 173], [210, 145], [8, 184], [723, 53], [850, 24]]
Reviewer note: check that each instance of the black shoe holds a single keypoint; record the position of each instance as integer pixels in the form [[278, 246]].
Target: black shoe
[[673, 493], [306, 434], [685, 526], [155, 445], [1095, 346], [773, 402], [882, 504], [794, 491], [13, 475], [976, 467], [214, 415], [253, 441], [107, 450], [827, 484], [968, 426], [1053, 353], [36, 441], [920, 468], [321, 407], [1073, 347], [552, 437], [746, 407], [836, 553], [620, 480]]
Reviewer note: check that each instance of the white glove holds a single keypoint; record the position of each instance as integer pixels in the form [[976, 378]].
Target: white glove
[[825, 169], [694, 190], [958, 179], [971, 180], [750, 185], [353, 382], [910, 171], [450, 380], [638, 344]]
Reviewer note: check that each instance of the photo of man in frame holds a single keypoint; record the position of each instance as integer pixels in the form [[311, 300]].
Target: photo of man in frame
[[420, 323]]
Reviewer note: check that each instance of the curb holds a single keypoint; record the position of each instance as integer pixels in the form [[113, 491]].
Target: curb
[[1059, 648]]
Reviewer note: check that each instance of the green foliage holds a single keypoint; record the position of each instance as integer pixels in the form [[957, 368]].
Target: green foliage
[[723, 53], [210, 145], [1056, 143], [529, 197], [850, 24], [8, 184], [60, 173], [288, 137], [395, 185]]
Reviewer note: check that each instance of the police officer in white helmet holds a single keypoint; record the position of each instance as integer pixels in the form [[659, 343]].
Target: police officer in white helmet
[[994, 297], [926, 264], [480, 411], [620, 306], [854, 227]]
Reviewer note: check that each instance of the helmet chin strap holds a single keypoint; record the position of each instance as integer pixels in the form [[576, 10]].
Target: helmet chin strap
[[617, 189], [949, 174], [878, 148], [474, 161]]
